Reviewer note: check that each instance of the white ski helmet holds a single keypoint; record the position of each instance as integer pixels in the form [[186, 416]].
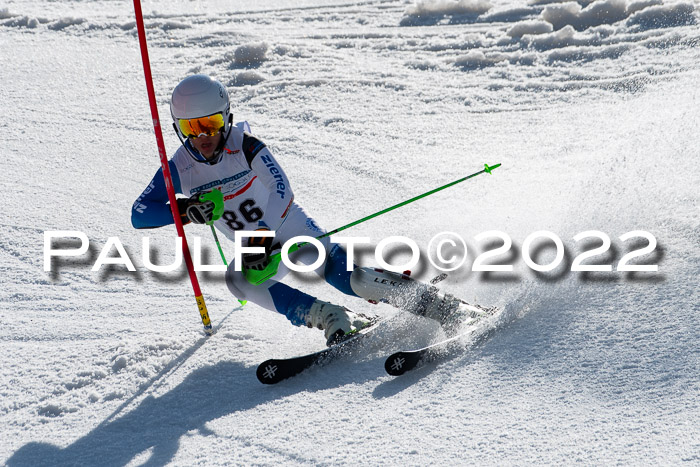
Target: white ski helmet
[[199, 96]]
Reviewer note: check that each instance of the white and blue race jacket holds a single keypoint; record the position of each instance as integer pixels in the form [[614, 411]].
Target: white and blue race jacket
[[254, 186]]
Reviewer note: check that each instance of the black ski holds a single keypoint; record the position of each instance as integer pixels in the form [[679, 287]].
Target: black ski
[[406, 360], [277, 369]]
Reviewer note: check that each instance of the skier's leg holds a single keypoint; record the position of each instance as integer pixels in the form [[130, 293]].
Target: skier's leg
[[335, 271], [300, 308], [271, 294], [416, 297]]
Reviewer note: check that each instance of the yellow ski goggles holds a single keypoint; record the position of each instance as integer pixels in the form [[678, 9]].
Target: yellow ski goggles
[[202, 126]]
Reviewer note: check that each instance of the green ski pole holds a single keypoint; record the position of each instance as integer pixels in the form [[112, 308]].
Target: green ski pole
[[258, 277]]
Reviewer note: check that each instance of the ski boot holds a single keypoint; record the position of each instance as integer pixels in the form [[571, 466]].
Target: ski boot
[[451, 312], [404, 293], [335, 321]]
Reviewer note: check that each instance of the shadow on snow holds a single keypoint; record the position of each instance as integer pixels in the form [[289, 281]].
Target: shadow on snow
[[206, 394]]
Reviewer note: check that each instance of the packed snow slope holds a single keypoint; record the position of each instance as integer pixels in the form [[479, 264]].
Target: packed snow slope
[[591, 107]]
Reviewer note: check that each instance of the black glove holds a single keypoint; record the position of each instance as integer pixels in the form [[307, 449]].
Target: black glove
[[258, 261], [192, 209]]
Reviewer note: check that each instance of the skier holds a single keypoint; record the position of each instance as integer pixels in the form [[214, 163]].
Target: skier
[[216, 153]]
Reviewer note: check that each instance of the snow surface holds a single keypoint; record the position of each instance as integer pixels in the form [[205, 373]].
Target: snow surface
[[591, 107]]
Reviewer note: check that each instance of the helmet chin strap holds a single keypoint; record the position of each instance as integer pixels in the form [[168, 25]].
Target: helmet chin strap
[[196, 155]]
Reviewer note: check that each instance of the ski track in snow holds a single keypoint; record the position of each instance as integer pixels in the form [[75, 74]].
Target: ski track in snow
[[591, 107]]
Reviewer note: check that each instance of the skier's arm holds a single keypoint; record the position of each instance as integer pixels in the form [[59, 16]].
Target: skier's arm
[[270, 173], [152, 209]]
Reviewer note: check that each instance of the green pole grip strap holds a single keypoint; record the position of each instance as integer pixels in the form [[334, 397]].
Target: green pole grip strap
[[258, 277]]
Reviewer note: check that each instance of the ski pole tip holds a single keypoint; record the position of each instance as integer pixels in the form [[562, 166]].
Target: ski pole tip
[[489, 169]]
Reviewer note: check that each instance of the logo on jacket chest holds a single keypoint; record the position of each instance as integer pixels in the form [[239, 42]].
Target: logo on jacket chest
[[227, 184]]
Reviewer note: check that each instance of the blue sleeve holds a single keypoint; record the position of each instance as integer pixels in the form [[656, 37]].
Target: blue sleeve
[[152, 208]]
